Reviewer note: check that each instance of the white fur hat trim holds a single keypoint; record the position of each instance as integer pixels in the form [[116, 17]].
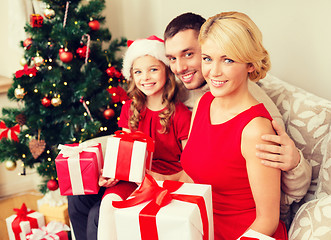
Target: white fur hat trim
[[152, 46]]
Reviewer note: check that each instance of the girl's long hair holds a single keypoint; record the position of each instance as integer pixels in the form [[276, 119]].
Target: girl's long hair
[[169, 98]]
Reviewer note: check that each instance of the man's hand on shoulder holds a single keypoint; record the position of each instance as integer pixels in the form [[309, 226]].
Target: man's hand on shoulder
[[284, 155]]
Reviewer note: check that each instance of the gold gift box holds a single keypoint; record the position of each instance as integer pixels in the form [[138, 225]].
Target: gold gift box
[[59, 213]]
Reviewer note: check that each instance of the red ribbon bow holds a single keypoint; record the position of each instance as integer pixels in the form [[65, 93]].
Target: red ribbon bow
[[159, 197], [5, 131], [153, 37], [136, 136], [22, 215], [26, 71]]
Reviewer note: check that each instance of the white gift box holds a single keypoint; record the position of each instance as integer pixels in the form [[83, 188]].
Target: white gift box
[[125, 160], [178, 220], [256, 235], [24, 225]]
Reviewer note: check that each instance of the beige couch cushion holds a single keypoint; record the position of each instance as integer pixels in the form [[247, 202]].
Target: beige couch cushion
[[312, 221], [308, 121], [324, 186]]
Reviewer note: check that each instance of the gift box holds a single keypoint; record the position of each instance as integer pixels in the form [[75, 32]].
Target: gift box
[[55, 213], [54, 230], [36, 20], [166, 210], [128, 155], [54, 207], [22, 222], [253, 235], [78, 168]]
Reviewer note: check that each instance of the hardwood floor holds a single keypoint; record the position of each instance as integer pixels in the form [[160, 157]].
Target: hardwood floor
[[7, 204]]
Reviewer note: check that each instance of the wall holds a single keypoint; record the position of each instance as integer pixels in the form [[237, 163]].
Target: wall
[[297, 34], [10, 181]]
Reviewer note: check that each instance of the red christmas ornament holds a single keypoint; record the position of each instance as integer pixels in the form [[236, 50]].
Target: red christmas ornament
[[46, 102], [52, 185], [65, 56], [109, 113], [118, 74], [94, 25], [82, 52], [118, 94], [27, 43], [36, 20], [111, 71]]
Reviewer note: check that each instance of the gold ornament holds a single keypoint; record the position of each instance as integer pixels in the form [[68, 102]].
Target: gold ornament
[[49, 13], [10, 165], [19, 92], [38, 60], [56, 101], [23, 62]]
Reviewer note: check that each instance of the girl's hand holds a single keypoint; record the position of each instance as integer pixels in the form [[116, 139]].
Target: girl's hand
[[107, 182]]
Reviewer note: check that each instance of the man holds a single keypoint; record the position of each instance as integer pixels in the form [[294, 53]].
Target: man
[[183, 51]]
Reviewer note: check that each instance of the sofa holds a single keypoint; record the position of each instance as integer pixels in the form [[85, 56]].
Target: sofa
[[307, 120]]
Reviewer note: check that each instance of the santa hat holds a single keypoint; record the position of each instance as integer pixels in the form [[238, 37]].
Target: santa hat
[[152, 46]]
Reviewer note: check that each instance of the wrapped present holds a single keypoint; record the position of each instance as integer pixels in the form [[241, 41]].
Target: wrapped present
[[22, 222], [54, 207], [54, 231], [166, 210], [36, 20], [254, 235], [55, 213], [128, 155], [78, 168]]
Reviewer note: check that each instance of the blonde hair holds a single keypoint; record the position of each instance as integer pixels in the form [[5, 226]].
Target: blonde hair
[[169, 98], [240, 39]]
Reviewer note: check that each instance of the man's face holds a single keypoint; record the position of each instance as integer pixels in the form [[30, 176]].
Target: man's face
[[183, 51]]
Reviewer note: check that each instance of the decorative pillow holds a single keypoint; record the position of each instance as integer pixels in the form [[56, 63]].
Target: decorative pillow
[[261, 96], [307, 118], [324, 186], [312, 221]]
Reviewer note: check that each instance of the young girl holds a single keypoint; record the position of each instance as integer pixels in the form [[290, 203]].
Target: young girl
[[153, 110], [246, 194]]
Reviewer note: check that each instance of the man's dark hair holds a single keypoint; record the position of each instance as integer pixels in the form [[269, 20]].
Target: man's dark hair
[[183, 22]]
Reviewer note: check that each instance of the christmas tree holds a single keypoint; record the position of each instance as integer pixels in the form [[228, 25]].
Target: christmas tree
[[69, 89]]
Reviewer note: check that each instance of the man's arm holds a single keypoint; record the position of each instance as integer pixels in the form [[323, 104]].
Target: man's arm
[[295, 182]]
